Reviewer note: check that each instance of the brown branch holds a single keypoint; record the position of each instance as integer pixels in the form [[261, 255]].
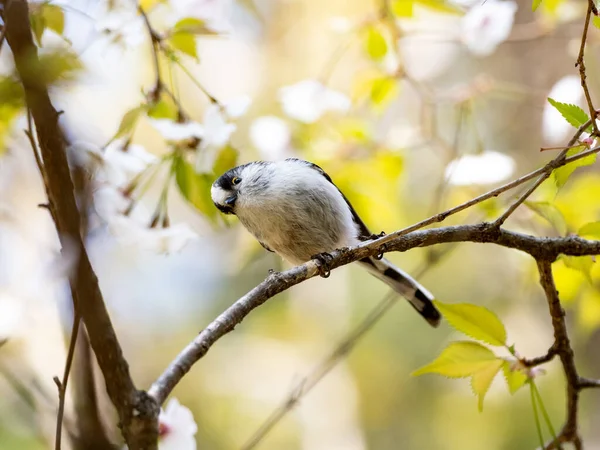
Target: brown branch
[[539, 247], [564, 350], [539, 360], [62, 384], [581, 64], [546, 171], [137, 412]]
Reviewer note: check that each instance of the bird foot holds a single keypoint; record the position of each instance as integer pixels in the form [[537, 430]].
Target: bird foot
[[377, 235], [323, 260]]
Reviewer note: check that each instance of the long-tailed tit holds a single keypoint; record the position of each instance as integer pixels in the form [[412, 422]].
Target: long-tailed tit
[[294, 209]]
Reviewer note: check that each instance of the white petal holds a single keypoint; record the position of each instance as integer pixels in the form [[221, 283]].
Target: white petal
[[340, 24], [308, 100], [180, 427], [11, 315], [486, 168], [121, 165], [271, 136], [487, 25], [238, 107], [217, 130], [555, 128], [174, 131]]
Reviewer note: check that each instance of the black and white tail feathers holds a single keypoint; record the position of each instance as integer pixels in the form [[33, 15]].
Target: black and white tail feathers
[[419, 297]]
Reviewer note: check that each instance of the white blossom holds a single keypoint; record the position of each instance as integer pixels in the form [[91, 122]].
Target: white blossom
[[122, 164], [175, 131], [487, 25], [217, 132], [237, 107], [555, 128], [176, 427], [489, 167], [308, 100], [340, 24], [271, 136], [123, 26], [157, 240], [215, 13], [11, 315]]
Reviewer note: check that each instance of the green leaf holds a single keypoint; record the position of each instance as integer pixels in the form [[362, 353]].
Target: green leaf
[[458, 360], [185, 43], [551, 213], [582, 264], [59, 66], [562, 174], [482, 380], [402, 8], [225, 160], [191, 25], [376, 44], [383, 91], [596, 21], [536, 4], [475, 321], [194, 187], [572, 113], [590, 231], [38, 25], [129, 121], [515, 379], [442, 6], [165, 108], [54, 17]]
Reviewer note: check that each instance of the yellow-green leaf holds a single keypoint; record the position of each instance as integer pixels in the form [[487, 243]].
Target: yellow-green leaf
[[590, 231], [185, 43], [147, 5], [549, 212], [582, 264], [192, 25], [376, 44], [475, 321], [535, 4], [38, 25], [129, 121], [572, 113], [54, 17], [383, 91], [482, 380], [194, 187], [562, 174], [596, 21], [402, 8], [165, 108], [225, 160], [60, 66], [441, 5], [515, 379], [458, 360]]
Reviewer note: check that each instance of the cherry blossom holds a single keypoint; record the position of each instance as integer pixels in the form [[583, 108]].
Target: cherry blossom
[[487, 167], [176, 427], [122, 26], [156, 240], [308, 100], [487, 25], [175, 131], [271, 136]]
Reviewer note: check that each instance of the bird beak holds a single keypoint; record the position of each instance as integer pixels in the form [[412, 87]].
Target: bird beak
[[227, 207]]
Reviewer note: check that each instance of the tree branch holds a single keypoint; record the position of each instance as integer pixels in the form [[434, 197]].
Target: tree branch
[[137, 412], [544, 248]]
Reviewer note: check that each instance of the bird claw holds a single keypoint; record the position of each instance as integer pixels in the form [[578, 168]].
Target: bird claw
[[377, 236], [323, 263]]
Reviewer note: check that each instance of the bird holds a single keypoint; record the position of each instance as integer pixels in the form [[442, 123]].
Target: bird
[[293, 208]]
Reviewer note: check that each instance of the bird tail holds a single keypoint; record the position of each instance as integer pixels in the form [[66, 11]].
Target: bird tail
[[419, 297]]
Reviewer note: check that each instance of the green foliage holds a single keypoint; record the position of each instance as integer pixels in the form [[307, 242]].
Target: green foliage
[[375, 43], [195, 187], [475, 321], [572, 113], [551, 213], [225, 160], [562, 174], [46, 15], [185, 43], [191, 25], [535, 4], [165, 108], [582, 264], [129, 121], [466, 359], [11, 104], [58, 66], [402, 8], [590, 231], [515, 379], [383, 91]]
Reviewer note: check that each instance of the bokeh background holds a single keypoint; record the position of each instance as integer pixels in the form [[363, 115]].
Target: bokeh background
[[449, 81]]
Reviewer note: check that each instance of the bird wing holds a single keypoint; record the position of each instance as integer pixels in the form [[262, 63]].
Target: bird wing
[[266, 247], [364, 233]]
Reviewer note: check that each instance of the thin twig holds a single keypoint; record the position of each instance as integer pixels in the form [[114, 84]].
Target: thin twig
[[538, 360], [62, 387], [545, 173], [581, 64]]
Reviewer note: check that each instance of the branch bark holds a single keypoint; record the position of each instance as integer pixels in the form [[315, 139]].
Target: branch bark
[[137, 411], [542, 248]]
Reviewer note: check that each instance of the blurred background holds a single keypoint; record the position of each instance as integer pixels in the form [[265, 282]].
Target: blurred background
[[411, 106]]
